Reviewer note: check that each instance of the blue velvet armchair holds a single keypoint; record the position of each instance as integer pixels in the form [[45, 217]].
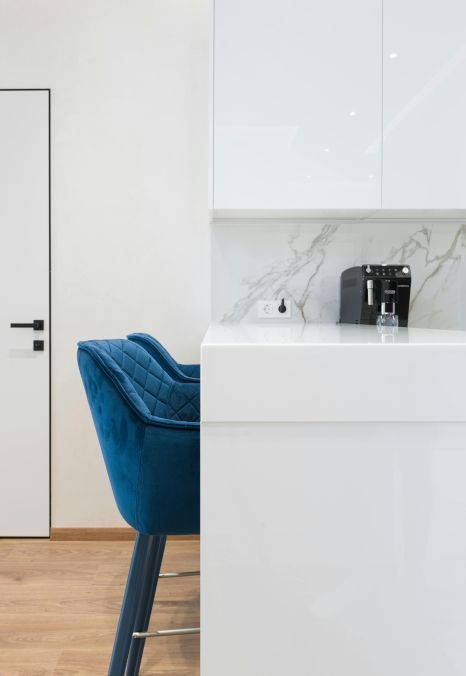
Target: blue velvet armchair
[[147, 423]]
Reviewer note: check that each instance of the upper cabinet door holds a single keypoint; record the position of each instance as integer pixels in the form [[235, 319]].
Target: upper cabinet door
[[424, 108], [297, 104]]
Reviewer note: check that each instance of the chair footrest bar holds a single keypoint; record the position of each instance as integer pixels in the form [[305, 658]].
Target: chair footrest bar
[[165, 632], [189, 573]]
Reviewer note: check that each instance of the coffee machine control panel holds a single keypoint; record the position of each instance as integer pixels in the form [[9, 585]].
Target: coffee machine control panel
[[397, 271]]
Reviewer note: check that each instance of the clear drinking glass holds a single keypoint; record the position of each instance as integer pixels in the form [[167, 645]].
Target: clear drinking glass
[[388, 320]]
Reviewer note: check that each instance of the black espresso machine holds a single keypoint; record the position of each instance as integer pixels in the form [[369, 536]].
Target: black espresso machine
[[371, 292]]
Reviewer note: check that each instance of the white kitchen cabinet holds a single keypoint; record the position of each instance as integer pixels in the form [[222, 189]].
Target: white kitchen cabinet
[[424, 104], [355, 108], [333, 507], [297, 104]]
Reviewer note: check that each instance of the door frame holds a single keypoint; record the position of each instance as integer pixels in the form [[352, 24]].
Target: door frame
[[49, 265]]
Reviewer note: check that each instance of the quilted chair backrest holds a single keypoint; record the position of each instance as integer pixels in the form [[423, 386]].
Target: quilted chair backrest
[[161, 395]]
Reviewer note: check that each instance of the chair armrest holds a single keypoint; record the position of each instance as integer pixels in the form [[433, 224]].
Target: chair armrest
[[182, 373], [191, 370]]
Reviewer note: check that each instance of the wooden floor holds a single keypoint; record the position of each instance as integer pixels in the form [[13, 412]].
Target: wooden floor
[[59, 605]]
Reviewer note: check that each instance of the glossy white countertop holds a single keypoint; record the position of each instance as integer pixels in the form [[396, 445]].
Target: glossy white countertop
[[332, 373], [225, 334]]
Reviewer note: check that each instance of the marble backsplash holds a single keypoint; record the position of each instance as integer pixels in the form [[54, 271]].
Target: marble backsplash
[[304, 262]]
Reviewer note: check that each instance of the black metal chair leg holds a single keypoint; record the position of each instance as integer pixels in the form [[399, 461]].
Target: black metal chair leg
[[129, 607], [151, 575]]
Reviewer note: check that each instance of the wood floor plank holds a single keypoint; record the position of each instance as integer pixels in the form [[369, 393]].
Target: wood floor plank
[[60, 601]]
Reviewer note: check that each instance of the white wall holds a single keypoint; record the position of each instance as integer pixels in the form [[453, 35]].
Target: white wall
[[130, 240]]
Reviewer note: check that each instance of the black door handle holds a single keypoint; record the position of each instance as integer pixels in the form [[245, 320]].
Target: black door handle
[[37, 325]]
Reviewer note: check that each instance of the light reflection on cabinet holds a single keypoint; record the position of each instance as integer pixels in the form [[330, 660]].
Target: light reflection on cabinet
[[297, 103], [424, 104], [337, 105]]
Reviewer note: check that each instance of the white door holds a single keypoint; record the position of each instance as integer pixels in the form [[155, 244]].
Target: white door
[[297, 104], [24, 297], [424, 104]]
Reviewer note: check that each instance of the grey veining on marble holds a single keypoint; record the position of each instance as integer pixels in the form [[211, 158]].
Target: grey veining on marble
[[303, 262]]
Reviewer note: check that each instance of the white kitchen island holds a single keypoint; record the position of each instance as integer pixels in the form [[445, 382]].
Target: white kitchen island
[[333, 501]]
